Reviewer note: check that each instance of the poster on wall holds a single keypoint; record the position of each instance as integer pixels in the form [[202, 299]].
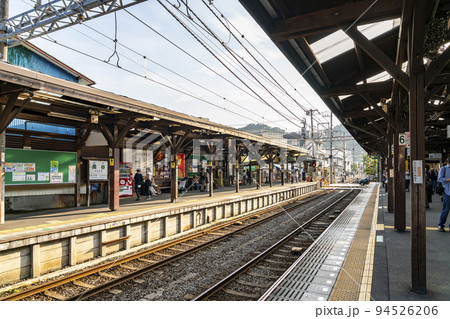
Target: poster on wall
[[43, 177], [31, 177], [13, 167], [54, 166], [98, 170], [181, 162], [72, 173], [194, 168], [56, 177], [29, 167], [18, 176]]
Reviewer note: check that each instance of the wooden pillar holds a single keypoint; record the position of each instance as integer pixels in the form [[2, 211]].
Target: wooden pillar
[[271, 173], [258, 177], [211, 179], [417, 129], [390, 177], [236, 174], [399, 185], [114, 179], [77, 186], [173, 177]]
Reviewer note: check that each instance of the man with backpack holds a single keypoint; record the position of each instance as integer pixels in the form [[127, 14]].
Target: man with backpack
[[444, 179]]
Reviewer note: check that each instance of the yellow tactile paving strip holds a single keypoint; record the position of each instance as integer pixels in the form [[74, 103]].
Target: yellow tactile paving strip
[[409, 228], [160, 205], [355, 282]]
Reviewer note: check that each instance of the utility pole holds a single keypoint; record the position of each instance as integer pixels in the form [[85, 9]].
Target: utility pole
[[4, 11], [331, 149], [311, 112]]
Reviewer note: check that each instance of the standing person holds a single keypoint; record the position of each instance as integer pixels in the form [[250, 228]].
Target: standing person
[[428, 189], [147, 185], [138, 180], [407, 180], [433, 177], [202, 180], [444, 178]]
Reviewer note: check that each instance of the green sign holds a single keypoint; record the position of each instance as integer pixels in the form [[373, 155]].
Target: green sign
[[39, 167]]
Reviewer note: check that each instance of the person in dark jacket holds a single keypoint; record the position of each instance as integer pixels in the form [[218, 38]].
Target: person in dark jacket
[[138, 181]]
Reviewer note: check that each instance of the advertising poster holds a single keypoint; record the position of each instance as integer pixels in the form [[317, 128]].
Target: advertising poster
[[181, 161], [13, 167], [56, 177], [31, 177], [54, 166], [29, 167], [43, 177]]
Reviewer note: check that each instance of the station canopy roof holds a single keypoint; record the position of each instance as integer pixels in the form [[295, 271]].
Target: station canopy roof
[[67, 103], [357, 89]]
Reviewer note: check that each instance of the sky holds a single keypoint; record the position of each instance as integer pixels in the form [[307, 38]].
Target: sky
[[217, 94]]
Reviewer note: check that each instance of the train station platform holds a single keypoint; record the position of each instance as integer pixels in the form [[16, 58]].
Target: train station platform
[[361, 257], [37, 243]]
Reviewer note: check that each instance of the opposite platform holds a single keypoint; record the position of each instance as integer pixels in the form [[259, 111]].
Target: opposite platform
[[42, 244]]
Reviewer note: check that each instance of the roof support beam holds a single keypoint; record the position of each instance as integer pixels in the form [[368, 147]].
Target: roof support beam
[[379, 110], [437, 66], [10, 112], [326, 20], [377, 55], [357, 89], [361, 130]]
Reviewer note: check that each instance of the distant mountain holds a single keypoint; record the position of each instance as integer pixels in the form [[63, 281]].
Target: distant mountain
[[259, 128]]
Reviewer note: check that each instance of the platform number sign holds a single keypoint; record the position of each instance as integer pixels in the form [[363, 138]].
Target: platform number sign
[[402, 139]]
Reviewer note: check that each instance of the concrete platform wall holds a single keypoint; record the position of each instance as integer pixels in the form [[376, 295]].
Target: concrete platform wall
[[36, 255]]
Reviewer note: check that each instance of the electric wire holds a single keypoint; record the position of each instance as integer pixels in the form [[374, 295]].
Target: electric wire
[[238, 60], [262, 55], [144, 77], [179, 21]]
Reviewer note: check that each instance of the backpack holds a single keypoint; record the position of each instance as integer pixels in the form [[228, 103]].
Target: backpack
[[440, 188]]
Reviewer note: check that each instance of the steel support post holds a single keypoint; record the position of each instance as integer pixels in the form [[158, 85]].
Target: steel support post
[[4, 12]]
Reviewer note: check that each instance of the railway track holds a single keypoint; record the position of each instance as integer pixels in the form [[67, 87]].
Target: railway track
[[251, 280], [94, 280]]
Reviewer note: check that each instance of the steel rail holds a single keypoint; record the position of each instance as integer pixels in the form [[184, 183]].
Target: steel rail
[[225, 281], [104, 267]]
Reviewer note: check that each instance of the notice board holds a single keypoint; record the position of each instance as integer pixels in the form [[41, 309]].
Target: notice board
[[26, 167]]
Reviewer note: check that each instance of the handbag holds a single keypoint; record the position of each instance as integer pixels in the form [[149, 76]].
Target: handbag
[[439, 189]]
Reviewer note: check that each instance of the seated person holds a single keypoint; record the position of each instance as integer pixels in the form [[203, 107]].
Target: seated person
[[155, 187], [196, 183]]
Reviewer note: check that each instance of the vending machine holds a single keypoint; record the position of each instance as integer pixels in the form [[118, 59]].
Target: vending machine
[[125, 179]]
